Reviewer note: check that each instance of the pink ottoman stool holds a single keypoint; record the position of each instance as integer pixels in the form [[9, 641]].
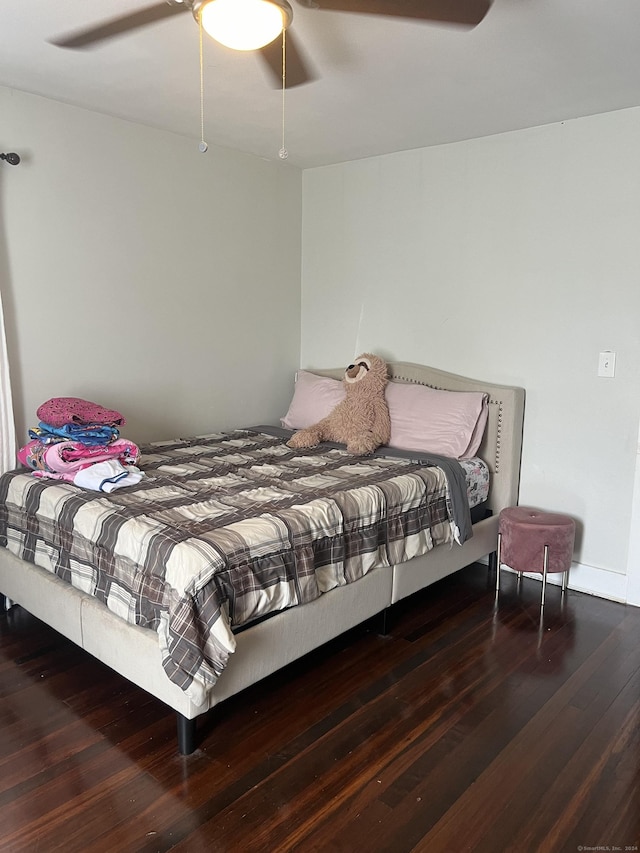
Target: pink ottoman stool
[[530, 540]]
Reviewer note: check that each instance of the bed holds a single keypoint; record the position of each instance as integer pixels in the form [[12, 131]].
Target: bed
[[354, 582]]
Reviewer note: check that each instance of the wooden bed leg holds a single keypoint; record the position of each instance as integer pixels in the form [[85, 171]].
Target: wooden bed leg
[[186, 734]]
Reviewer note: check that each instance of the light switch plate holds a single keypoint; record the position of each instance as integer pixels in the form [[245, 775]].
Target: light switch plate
[[607, 364]]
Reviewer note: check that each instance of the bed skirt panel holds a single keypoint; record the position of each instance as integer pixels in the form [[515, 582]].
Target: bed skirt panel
[[289, 635], [134, 652], [443, 560], [50, 599]]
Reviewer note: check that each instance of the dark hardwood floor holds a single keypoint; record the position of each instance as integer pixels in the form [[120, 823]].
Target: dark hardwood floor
[[465, 728]]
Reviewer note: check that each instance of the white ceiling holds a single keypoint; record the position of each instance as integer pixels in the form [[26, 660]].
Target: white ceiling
[[383, 84]]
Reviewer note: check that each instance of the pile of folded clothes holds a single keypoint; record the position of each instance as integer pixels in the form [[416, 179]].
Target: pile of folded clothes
[[79, 441]]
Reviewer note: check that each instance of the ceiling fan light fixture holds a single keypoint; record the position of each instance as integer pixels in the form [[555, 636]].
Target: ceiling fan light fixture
[[244, 24]]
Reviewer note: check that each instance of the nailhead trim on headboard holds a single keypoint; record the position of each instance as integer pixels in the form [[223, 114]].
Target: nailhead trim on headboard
[[498, 433]]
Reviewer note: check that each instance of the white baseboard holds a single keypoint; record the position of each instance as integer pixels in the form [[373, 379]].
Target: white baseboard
[[589, 579]]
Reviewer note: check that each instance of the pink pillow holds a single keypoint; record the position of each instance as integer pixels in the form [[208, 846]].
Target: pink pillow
[[313, 398], [450, 423]]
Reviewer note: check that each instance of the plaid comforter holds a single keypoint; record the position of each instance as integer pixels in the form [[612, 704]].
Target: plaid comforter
[[226, 529]]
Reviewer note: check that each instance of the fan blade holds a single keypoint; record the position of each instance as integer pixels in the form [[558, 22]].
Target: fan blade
[[118, 26], [468, 12], [297, 69]]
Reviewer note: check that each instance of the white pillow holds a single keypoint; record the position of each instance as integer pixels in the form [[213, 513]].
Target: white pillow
[[449, 423], [314, 397]]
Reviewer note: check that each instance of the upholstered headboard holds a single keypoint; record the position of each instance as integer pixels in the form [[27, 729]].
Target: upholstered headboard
[[501, 446]]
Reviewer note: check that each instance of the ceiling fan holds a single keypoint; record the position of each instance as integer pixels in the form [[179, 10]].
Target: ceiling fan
[[463, 12]]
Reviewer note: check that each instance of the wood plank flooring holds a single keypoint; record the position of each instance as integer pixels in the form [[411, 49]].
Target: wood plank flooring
[[465, 728]]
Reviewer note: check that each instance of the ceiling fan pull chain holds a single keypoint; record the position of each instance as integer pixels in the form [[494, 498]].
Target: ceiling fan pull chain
[[283, 153], [203, 145]]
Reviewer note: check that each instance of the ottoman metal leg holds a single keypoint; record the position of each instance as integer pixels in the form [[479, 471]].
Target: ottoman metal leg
[[499, 554], [545, 566], [563, 594]]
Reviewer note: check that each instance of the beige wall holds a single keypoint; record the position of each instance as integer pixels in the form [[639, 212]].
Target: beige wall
[[513, 258], [140, 273]]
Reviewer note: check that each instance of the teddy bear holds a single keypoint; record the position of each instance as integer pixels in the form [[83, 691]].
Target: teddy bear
[[361, 420]]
